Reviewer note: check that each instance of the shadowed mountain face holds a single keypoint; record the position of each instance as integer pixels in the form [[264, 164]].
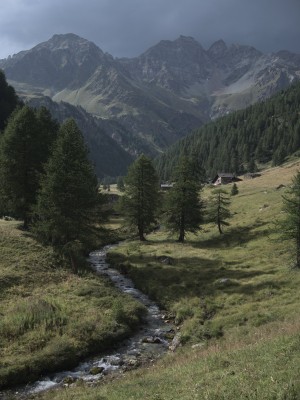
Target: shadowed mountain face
[[108, 157], [148, 102]]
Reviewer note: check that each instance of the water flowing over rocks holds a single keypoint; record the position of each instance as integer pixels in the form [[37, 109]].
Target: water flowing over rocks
[[150, 342]]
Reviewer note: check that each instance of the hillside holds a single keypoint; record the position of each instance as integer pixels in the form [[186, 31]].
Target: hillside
[[234, 299], [52, 317], [265, 132], [108, 157], [159, 96]]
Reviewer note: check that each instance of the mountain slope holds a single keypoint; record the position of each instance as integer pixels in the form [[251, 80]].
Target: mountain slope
[[160, 96], [106, 154], [70, 69], [267, 131]]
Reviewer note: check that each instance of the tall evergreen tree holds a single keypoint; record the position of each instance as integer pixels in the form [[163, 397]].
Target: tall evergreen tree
[[251, 166], [279, 155], [289, 227], [218, 211], [120, 184], [67, 201], [23, 151], [8, 100], [183, 205], [141, 196], [234, 190], [48, 129]]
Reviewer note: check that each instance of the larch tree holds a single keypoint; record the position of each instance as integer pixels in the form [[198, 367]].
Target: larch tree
[[24, 148], [8, 100], [289, 227], [120, 184], [218, 208], [234, 190], [183, 204], [68, 200], [141, 196]]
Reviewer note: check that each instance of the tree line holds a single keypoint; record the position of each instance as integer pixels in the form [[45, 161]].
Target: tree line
[[268, 131]]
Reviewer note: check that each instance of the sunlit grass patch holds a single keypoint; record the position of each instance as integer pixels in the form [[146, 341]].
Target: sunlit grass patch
[[244, 272]]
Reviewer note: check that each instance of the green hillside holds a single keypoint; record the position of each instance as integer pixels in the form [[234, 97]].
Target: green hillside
[[267, 131], [50, 316], [234, 299]]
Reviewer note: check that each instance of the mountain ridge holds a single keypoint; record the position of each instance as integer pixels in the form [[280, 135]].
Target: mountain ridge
[[160, 95]]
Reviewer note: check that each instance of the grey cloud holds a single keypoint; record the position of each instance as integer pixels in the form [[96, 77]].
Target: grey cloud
[[129, 27]]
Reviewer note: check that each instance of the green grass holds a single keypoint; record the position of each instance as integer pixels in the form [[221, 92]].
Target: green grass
[[234, 299], [51, 317], [262, 366]]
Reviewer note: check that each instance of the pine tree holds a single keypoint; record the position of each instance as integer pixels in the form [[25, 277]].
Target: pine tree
[[67, 201], [48, 128], [234, 190], [279, 155], [8, 100], [217, 209], [120, 184], [289, 227], [23, 151], [141, 196], [251, 166], [183, 207]]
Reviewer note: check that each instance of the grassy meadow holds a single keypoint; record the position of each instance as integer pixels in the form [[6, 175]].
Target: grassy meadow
[[51, 317], [235, 301]]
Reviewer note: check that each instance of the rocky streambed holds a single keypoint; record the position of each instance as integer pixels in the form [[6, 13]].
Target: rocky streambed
[[155, 336]]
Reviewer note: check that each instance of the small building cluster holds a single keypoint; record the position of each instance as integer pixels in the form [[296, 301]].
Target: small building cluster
[[224, 178], [166, 186]]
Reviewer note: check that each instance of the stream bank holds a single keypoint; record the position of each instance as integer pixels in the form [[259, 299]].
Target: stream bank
[[151, 341]]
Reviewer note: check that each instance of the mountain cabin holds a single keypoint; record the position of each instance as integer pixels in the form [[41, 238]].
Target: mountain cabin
[[224, 178]]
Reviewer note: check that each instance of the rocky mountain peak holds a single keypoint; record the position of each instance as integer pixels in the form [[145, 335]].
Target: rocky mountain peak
[[63, 60], [173, 65], [217, 49], [178, 48], [244, 50], [287, 56], [187, 41], [71, 43]]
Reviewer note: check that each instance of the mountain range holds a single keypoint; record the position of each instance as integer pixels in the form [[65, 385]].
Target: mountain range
[[146, 103]]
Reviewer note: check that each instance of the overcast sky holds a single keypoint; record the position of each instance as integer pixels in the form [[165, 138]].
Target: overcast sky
[[129, 27]]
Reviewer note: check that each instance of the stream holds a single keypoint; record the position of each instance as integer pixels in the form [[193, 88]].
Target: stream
[[153, 339]]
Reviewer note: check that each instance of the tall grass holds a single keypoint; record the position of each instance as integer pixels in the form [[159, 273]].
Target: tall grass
[[49, 316], [30, 313]]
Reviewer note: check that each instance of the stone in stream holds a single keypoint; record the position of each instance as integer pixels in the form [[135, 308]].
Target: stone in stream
[[176, 342], [96, 370], [68, 380], [153, 339], [131, 363], [116, 361]]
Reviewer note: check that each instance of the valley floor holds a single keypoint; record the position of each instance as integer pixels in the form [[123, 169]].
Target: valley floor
[[234, 298]]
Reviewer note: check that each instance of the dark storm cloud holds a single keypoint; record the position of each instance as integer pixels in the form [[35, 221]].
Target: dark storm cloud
[[129, 27]]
